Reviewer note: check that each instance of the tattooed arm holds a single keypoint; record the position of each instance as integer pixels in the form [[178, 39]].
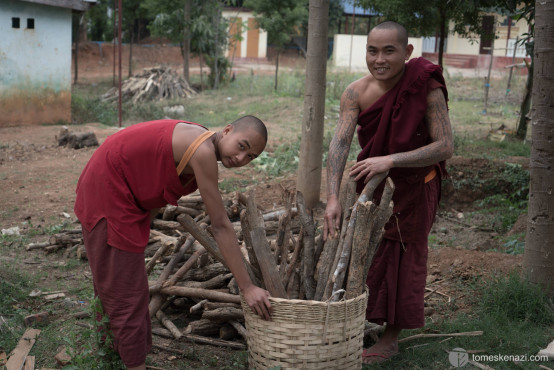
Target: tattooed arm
[[337, 156], [440, 148]]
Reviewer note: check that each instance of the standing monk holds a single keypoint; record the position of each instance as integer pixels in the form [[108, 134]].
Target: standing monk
[[128, 178], [401, 116]]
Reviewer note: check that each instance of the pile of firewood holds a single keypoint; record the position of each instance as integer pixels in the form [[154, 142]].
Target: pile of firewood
[[283, 251], [156, 83]]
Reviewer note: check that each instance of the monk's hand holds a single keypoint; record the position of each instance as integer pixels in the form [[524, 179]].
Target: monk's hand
[[258, 300], [332, 218], [369, 167]]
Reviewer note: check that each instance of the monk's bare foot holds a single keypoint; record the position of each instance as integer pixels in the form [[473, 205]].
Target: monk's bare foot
[[379, 352]]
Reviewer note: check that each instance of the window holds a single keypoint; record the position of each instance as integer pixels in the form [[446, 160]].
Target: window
[[30, 23], [15, 22]]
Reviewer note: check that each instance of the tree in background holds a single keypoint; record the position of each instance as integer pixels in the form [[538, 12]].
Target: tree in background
[[426, 18], [280, 19], [538, 257], [525, 10], [311, 146], [207, 30]]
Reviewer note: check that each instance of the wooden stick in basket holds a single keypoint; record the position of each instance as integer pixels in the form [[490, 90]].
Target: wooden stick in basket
[[308, 251], [344, 260], [265, 258]]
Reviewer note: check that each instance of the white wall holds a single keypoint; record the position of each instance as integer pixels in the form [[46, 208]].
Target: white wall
[[349, 51], [39, 57]]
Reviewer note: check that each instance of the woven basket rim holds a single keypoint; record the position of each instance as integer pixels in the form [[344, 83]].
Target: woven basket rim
[[311, 302]]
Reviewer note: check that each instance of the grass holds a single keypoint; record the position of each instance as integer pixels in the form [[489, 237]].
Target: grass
[[503, 307]]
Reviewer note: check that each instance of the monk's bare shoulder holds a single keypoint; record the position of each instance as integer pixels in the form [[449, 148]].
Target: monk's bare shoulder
[[183, 136]]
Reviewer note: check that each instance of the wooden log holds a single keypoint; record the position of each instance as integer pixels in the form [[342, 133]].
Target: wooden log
[[198, 306], [167, 245], [355, 282], [340, 271], [295, 256], [239, 328], [32, 246], [30, 363], [207, 272], [203, 327], [267, 263], [168, 324], [183, 269], [294, 284], [383, 215], [201, 293], [199, 234], [344, 259], [309, 248], [227, 332], [215, 282], [224, 314], [17, 356], [249, 246], [167, 225], [200, 339], [265, 259], [349, 200], [209, 305], [157, 300], [233, 286], [169, 213], [325, 264]]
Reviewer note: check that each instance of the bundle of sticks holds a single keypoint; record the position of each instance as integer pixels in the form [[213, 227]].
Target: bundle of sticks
[[309, 267], [282, 249], [155, 83]]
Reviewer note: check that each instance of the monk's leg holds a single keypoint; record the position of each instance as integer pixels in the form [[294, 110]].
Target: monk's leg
[[121, 283]]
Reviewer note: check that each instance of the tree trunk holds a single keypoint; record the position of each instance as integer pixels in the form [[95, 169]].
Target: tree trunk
[[216, 48], [186, 42], [277, 69], [132, 33], [442, 34], [521, 131], [538, 259], [311, 147]]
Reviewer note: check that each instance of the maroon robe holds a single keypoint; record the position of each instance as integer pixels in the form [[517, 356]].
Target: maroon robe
[[393, 124], [132, 172]]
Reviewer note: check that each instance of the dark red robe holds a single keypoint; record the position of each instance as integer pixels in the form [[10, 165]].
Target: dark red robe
[[131, 173], [395, 124]]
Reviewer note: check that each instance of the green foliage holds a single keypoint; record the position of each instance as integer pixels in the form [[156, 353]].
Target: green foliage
[[92, 349], [283, 160], [515, 299], [279, 18], [14, 289], [91, 109]]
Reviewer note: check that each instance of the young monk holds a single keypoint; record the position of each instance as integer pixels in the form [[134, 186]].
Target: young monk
[[399, 110], [132, 174]]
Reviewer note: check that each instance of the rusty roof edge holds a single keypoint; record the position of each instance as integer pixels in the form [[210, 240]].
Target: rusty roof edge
[[78, 5]]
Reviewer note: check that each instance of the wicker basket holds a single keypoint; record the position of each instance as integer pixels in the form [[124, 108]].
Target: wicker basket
[[307, 334]]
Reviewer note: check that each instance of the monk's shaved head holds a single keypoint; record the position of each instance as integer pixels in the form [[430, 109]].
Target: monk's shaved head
[[400, 30], [251, 122]]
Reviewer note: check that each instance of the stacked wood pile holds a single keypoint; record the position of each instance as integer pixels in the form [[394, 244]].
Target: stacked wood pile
[[283, 251], [157, 83]]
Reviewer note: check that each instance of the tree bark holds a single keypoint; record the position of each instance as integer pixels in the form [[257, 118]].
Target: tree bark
[[538, 259], [186, 42], [311, 147], [308, 250]]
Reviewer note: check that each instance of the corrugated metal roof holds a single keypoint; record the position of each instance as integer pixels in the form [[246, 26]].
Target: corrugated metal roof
[[79, 5]]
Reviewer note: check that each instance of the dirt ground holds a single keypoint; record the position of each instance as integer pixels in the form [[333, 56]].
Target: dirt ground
[[38, 180]]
